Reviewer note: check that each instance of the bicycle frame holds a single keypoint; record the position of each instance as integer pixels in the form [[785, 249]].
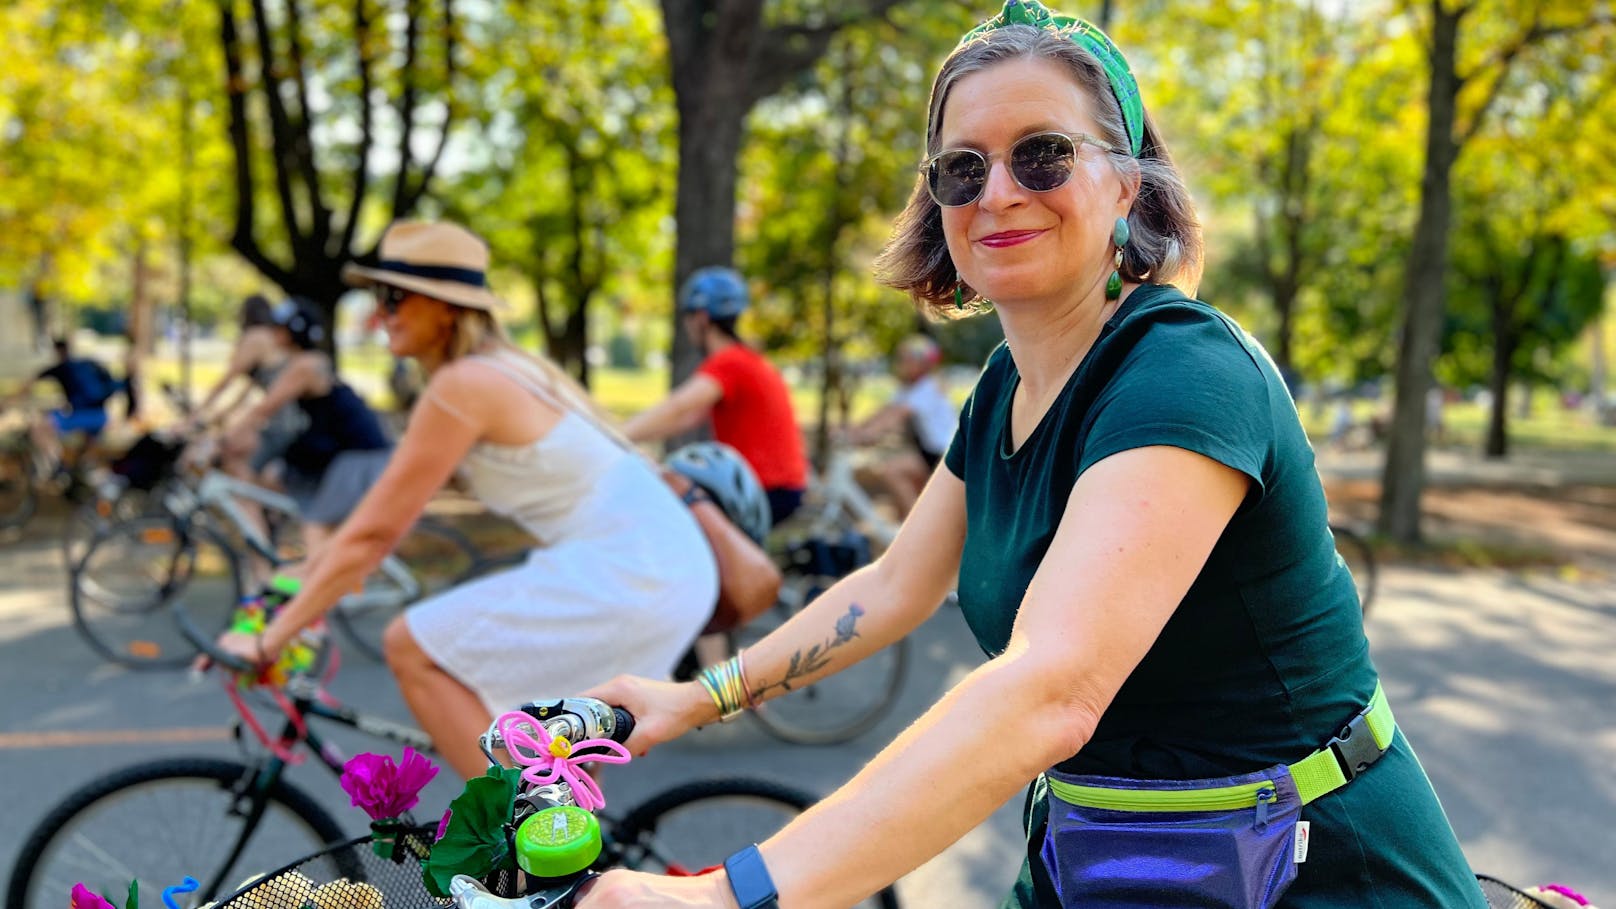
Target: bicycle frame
[[305, 699], [220, 493], [843, 502]]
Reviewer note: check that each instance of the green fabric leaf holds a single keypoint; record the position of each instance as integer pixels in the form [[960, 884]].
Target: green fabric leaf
[[474, 842], [134, 896]]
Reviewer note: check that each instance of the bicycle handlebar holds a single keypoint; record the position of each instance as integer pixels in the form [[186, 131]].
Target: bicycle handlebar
[[209, 646]]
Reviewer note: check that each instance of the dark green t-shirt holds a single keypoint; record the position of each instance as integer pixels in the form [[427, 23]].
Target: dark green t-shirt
[[1265, 657]]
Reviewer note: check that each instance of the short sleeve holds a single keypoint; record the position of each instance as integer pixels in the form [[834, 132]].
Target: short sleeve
[[725, 368], [1192, 382]]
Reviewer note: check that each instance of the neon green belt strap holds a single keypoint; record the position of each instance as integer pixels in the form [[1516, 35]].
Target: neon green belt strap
[[1359, 743]]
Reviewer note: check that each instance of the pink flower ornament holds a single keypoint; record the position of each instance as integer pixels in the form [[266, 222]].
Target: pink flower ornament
[[545, 760], [383, 789], [85, 898]]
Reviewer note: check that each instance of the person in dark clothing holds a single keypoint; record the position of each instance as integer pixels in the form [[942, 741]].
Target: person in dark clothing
[[86, 387], [341, 449]]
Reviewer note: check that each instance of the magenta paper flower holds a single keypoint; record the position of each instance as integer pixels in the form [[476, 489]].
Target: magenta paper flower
[[85, 898], [383, 789]]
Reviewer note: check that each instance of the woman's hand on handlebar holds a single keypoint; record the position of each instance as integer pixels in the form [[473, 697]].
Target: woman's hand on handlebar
[[662, 711], [638, 890], [250, 650]]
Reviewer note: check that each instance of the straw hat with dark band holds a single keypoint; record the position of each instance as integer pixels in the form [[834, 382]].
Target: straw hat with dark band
[[443, 261]]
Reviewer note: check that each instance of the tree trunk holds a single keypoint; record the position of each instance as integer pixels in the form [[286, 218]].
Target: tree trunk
[[1504, 343], [710, 129], [1424, 296]]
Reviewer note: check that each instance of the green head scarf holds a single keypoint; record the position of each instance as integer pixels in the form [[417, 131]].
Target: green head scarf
[[1088, 36]]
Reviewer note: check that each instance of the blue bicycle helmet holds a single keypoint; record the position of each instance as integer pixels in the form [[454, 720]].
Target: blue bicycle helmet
[[718, 291], [728, 480]]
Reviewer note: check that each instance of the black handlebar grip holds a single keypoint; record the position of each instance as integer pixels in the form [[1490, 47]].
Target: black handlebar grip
[[622, 725]]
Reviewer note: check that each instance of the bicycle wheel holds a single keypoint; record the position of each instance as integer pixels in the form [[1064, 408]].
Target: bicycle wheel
[[836, 708], [160, 821], [1360, 559], [18, 499], [135, 572], [430, 558], [104, 509], [697, 825]]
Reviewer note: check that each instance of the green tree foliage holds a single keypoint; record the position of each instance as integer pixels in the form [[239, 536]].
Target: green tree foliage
[[1471, 48], [573, 162], [92, 102], [1534, 216]]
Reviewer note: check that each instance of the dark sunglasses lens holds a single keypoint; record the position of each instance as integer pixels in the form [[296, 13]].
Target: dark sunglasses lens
[[1042, 163], [956, 177]]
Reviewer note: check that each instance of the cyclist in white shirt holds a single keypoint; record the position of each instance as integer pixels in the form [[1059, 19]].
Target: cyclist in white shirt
[[922, 411]]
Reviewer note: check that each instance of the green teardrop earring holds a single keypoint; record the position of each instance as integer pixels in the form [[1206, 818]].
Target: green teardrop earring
[[1120, 233], [959, 295]]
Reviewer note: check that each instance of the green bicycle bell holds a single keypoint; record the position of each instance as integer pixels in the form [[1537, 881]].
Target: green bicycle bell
[[558, 841]]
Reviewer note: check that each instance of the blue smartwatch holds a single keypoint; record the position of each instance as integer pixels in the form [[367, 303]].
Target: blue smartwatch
[[749, 880]]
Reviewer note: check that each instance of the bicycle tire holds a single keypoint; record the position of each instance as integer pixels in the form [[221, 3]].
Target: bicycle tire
[[90, 519], [18, 497], [1359, 556], [60, 851], [834, 709], [634, 842], [135, 573], [432, 557]]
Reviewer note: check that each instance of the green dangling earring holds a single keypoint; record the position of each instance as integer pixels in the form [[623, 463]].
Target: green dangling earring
[[1120, 232], [959, 295]]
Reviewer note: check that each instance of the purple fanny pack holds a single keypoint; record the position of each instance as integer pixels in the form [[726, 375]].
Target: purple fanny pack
[[1229, 843]]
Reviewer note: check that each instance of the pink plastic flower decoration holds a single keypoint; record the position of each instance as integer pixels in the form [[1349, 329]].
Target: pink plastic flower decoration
[[383, 789], [85, 898], [548, 760]]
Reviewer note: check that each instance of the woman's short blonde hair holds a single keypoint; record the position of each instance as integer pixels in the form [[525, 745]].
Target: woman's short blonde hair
[[1165, 235]]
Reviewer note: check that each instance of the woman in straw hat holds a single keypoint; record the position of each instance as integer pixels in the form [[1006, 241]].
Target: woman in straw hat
[[1177, 673], [624, 578]]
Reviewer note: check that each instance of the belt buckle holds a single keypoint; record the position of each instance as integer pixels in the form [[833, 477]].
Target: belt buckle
[[1354, 747]]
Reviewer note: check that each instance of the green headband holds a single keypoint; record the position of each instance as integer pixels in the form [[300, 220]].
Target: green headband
[[1088, 36]]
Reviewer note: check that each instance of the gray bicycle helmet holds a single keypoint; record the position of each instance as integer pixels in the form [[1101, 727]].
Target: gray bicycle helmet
[[725, 476]]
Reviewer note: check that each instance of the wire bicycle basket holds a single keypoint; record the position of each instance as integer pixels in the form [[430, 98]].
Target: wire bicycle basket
[[364, 873]]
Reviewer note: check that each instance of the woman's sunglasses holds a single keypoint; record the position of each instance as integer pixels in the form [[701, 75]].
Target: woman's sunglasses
[[1039, 163], [389, 298]]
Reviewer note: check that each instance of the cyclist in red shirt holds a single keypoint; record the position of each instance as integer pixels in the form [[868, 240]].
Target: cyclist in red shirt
[[735, 387]]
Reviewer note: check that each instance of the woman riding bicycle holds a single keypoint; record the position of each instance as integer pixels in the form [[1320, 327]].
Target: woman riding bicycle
[[340, 448], [1176, 661], [623, 580], [259, 356]]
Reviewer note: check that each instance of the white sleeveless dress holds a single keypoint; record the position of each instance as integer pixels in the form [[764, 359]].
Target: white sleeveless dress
[[622, 582]]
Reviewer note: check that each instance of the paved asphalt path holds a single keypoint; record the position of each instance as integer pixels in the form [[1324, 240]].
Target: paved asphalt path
[[1504, 684]]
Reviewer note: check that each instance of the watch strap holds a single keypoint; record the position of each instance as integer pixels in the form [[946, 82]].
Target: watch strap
[[749, 880]]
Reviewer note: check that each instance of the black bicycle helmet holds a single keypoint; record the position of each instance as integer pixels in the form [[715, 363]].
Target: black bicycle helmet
[[725, 476], [302, 320]]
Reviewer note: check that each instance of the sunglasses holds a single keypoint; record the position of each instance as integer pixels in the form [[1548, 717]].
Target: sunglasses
[[389, 298], [1039, 163]]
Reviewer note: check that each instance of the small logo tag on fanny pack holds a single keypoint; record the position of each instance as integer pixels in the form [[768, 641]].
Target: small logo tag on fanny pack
[[1299, 848]]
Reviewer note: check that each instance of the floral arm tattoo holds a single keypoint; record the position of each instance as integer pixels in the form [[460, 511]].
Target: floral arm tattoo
[[817, 657]]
